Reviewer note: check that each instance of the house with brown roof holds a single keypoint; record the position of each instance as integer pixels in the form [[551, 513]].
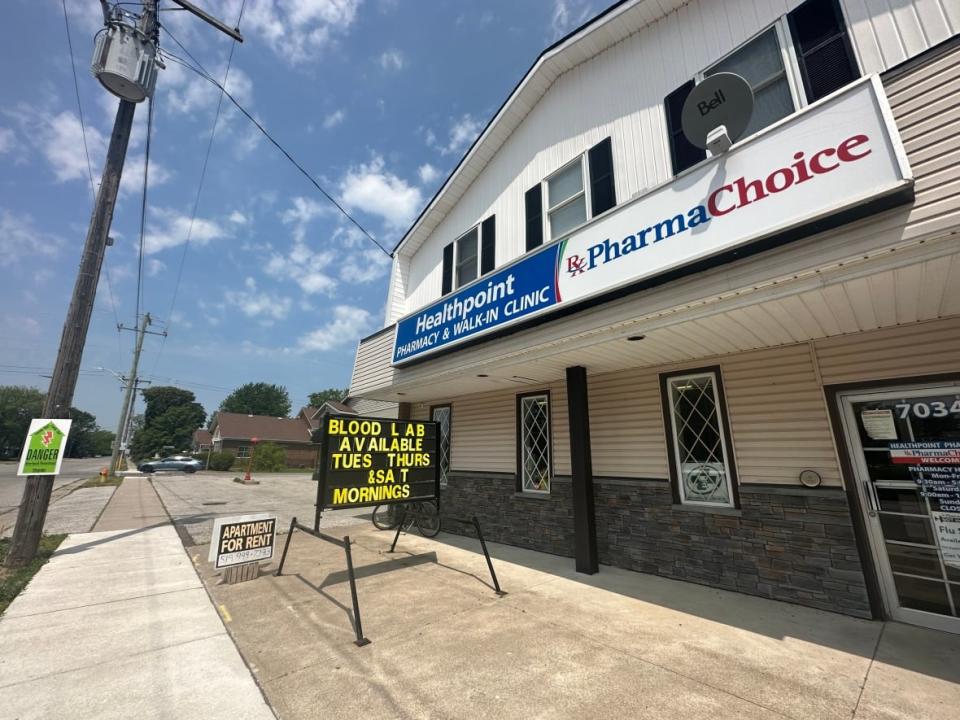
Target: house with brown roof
[[234, 433], [202, 440]]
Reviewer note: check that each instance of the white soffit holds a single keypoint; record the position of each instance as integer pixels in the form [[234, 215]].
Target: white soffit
[[618, 24]]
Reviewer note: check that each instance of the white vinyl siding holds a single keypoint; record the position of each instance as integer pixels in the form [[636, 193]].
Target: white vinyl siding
[[619, 93]]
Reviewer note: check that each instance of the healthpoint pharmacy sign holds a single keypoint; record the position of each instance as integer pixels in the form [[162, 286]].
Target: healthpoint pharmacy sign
[[833, 156]]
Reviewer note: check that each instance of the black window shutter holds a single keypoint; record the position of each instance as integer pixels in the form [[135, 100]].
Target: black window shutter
[[603, 194], [488, 241], [533, 200], [683, 153], [447, 269], [823, 47]]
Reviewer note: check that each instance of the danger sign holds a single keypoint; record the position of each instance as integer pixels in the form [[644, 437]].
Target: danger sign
[[242, 539]]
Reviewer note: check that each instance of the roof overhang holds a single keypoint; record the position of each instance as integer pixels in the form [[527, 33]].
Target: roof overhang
[[616, 23]]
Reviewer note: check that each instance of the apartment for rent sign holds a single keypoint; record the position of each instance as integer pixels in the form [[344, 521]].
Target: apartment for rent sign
[[831, 157], [242, 539], [377, 461]]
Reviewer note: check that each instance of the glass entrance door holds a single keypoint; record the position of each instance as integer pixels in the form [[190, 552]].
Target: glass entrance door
[[905, 450]]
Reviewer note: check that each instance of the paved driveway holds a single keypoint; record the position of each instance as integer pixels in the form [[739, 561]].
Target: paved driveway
[[617, 644], [193, 501]]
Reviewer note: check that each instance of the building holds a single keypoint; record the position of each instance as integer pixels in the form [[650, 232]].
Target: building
[[202, 440], [234, 433], [741, 371]]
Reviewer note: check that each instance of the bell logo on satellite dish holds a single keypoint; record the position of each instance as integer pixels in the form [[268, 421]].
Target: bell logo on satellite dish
[[717, 112]]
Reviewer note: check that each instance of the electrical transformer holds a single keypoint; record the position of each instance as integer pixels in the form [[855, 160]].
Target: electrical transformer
[[125, 61]]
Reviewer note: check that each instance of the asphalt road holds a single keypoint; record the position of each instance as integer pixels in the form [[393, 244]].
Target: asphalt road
[[69, 511]]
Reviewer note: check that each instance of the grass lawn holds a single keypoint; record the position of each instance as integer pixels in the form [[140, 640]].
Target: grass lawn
[[102, 482], [13, 581]]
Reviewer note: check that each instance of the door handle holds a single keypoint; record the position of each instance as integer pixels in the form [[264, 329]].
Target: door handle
[[871, 498]]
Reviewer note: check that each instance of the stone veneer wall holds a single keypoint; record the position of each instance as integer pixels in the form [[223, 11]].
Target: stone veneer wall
[[784, 543]]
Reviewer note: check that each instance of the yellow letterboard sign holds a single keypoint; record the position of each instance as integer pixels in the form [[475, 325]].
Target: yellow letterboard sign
[[378, 461]]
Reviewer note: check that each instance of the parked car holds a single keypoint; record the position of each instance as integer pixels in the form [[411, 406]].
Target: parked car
[[183, 463]]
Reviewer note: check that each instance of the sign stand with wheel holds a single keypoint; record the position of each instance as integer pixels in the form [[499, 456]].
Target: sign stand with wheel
[[365, 462]]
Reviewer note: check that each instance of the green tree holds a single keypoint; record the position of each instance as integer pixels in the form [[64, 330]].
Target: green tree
[[18, 405], [258, 399], [269, 457], [169, 420], [321, 396], [80, 443], [102, 442]]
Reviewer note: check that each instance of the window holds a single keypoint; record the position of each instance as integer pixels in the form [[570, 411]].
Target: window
[[441, 415], [473, 254], [578, 191], [466, 254], [566, 199], [533, 440], [809, 44], [760, 62], [243, 451], [701, 465]]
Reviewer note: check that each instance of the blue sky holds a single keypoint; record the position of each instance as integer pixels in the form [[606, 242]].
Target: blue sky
[[377, 98]]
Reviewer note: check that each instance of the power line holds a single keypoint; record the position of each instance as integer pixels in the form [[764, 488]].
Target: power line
[[196, 200], [206, 76], [86, 152]]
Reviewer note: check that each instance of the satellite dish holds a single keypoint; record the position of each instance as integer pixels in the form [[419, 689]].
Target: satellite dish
[[724, 100]]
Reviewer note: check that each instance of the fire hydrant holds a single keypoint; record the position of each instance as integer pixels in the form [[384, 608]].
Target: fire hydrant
[[103, 474]]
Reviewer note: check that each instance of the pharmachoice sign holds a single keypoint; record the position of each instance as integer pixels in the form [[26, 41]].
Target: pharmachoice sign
[[830, 158], [44, 447], [377, 461]]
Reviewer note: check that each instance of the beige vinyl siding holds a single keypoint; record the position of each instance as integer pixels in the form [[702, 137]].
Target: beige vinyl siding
[[374, 408], [778, 417], [907, 351], [483, 433], [626, 425], [372, 367]]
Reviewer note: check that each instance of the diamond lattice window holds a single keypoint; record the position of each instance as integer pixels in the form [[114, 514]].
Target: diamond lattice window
[[441, 415], [535, 443], [703, 468]]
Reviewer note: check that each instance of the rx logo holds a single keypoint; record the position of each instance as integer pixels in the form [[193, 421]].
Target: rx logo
[[576, 265], [46, 437]]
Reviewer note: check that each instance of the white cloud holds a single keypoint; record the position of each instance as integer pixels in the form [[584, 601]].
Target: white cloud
[[303, 210], [59, 137], [21, 239], [334, 119], [364, 266], [132, 179], [392, 60], [254, 303], [428, 173], [155, 266], [238, 218], [6, 139], [61, 141], [462, 132], [190, 93], [169, 228], [305, 267], [567, 15], [372, 189], [297, 30], [349, 323]]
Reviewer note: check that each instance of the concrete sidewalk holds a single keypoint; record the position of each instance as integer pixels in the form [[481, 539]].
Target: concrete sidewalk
[[134, 505], [118, 625]]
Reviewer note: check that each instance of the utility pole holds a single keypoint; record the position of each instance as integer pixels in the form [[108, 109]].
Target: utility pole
[[36, 491], [130, 389]]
